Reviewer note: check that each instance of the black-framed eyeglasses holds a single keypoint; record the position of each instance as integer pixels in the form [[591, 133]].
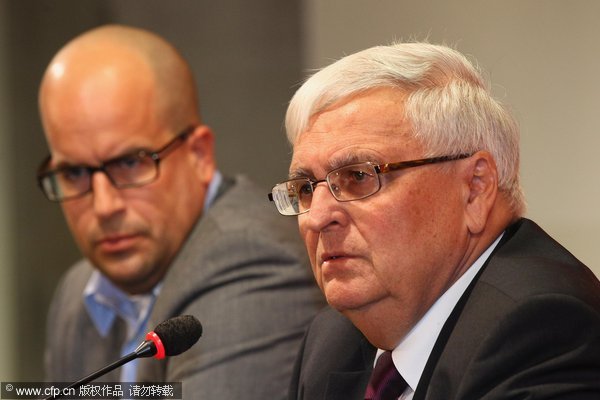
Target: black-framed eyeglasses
[[350, 182], [131, 170]]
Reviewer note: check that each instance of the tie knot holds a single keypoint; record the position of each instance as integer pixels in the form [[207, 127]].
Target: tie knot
[[385, 383]]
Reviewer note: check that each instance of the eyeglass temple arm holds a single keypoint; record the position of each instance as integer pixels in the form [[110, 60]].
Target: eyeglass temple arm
[[383, 168], [174, 144]]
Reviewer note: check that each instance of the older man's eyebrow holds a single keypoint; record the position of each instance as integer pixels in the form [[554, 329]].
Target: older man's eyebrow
[[338, 162], [300, 173], [356, 157]]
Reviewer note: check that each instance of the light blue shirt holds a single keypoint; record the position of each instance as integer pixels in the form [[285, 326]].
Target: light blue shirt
[[105, 302]]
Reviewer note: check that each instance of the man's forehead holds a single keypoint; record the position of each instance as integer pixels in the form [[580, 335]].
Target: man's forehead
[[310, 159], [365, 127], [96, 146]]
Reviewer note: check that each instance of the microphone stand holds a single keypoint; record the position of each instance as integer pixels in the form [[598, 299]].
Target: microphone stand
[[146, 349]]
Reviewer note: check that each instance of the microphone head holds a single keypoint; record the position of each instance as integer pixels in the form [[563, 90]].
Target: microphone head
[[179, 333]]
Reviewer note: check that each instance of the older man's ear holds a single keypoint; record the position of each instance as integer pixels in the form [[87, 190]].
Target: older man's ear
[[481, 187]]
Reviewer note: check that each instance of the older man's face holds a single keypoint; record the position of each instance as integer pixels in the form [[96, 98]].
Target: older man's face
[[397, 251]]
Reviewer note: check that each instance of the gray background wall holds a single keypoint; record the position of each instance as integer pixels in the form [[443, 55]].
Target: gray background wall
[[249, 57]]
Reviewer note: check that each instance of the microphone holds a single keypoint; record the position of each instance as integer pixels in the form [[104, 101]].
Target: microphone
[[170, 338]]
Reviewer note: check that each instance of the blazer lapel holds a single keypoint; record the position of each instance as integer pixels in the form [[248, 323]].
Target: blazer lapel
[[425, 383], [347, 385], [351, 385]]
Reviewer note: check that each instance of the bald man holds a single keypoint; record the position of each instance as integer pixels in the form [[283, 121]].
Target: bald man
[[161, 231]]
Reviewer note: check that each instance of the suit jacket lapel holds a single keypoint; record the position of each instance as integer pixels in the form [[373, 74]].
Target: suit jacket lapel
[[347, 385], [425, 381], [170, 299], [351, 385]]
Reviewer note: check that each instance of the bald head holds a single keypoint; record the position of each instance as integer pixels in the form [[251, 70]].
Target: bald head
[[117, 65]]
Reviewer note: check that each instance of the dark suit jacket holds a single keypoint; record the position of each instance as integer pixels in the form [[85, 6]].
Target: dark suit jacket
[[243, 272], [528, 327]]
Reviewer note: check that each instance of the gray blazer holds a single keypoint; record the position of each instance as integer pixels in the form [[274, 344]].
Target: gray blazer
[[243, 272], [528, 327]]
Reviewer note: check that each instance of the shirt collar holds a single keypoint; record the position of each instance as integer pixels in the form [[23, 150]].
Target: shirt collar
[[104, 302], [411, 355], [213, 188]]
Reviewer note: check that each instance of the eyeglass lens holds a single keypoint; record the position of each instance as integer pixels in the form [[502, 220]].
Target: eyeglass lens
[[351, 182], [131, 170]]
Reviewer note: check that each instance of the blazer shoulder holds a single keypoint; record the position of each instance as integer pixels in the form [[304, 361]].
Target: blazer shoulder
[[244, 206], [67, 298], [532, 263], [238, 245], [528, 297]]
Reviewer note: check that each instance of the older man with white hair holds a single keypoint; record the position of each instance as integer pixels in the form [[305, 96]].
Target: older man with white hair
[[405, 181]]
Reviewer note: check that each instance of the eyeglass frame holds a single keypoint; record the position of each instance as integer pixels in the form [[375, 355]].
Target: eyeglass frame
[[156, 156], [378, 168]]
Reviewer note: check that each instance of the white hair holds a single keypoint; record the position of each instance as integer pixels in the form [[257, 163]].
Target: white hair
[[449, 104]]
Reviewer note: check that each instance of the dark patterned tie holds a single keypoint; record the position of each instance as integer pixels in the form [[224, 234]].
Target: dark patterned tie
[[385, 383]]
